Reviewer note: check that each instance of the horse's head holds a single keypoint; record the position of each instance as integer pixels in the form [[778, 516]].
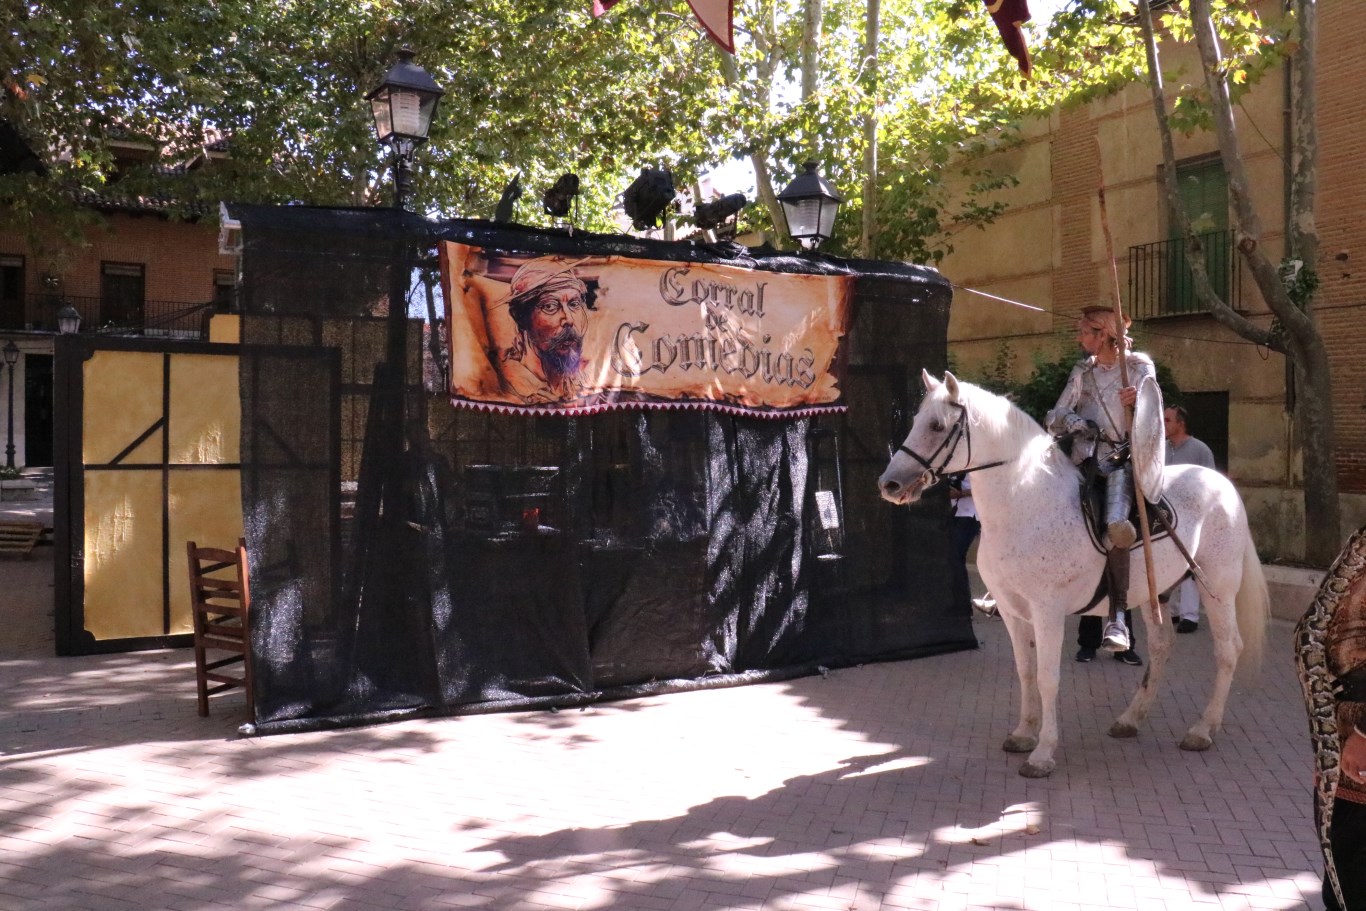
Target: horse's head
[[932, 448]]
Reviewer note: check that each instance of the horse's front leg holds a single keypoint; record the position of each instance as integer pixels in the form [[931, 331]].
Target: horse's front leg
[[1047, 631], [1026, 734]]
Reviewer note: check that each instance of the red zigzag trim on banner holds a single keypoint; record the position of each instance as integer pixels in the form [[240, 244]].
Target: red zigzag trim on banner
[[648, 406]]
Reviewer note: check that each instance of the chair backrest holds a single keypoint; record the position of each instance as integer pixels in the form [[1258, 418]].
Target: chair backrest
[[212, 586], [220, 597]]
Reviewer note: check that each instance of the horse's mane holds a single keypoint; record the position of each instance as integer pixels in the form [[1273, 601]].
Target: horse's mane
[[1018, 432]]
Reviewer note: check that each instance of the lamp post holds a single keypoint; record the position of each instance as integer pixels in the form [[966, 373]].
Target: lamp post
[[810, 205], [403, 106], [11, 358]]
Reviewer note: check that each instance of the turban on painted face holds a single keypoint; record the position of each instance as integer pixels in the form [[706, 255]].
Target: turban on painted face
[[547, 275]]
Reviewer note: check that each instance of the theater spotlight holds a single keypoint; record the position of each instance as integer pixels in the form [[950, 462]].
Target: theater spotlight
[[560, 197], [712, 215], [648, 196]]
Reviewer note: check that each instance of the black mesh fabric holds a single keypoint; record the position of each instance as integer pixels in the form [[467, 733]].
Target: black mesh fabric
[[409, 557]]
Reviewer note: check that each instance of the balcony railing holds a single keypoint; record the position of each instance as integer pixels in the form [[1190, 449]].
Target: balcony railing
[[1160, 279], [166, 319]]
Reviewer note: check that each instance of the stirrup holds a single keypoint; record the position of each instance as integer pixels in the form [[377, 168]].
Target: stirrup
[[1115, 637]]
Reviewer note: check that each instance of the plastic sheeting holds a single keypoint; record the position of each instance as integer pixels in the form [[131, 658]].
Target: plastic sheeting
[[464, 561]]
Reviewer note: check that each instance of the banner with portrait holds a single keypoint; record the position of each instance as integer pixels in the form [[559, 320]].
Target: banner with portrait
[[577, 334]]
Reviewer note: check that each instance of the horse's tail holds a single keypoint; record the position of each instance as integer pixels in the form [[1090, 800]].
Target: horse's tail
[[1253, 605]]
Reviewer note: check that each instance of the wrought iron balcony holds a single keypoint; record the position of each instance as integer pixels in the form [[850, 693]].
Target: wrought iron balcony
[[1160, 279], [166, 319]]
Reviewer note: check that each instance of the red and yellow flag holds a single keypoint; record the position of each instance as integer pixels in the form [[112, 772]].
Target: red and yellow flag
[[716, 16], [1009, 16]]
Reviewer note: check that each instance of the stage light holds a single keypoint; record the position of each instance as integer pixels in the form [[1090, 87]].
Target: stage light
[[561, 195], [648, 196], [711, 215]]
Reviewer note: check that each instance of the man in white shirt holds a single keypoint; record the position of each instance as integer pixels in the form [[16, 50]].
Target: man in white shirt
[[966, 526], [1184, 449]]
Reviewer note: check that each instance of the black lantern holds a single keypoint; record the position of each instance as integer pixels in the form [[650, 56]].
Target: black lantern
[[404, 105], [68, 320], [810, 205]]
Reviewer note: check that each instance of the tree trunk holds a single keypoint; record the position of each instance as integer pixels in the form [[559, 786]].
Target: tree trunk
[[758, 159], [1316, 423], [1302, 341], [811, 47]]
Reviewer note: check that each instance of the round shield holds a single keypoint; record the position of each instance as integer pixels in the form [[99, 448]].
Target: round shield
[[1148, 442]]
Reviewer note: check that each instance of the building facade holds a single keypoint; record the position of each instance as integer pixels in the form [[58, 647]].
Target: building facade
[[1048, 250], [134, 271]]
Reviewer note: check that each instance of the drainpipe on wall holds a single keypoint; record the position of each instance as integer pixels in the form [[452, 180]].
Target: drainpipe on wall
[[1287, 174]]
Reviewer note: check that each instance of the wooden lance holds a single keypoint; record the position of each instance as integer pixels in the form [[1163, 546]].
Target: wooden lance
[[1129, 414]]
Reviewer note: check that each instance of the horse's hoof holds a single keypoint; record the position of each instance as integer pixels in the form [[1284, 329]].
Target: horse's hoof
[[1033, 769], [1196, 743], [1018, 744], [1123, 729]]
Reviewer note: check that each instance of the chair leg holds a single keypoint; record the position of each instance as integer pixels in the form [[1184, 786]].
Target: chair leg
[[201, 682], [248, 684]]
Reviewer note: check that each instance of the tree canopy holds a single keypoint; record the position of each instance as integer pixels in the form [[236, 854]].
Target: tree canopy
[[532, 86]]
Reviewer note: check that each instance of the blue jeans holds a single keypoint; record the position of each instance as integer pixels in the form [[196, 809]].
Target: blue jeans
[[965, 531]]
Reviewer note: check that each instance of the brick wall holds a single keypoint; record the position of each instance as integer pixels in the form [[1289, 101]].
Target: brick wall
[[1076, 169], [179, 258], [1342, 231]]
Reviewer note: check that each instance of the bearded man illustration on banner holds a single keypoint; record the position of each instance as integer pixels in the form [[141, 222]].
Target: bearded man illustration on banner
[[549, 304]]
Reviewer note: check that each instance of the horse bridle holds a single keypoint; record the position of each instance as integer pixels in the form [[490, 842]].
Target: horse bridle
[[961, 431]]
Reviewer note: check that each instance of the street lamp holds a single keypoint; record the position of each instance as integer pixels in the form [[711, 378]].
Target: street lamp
[[68, 320], [810, 205], [403, 105], [11, 358]]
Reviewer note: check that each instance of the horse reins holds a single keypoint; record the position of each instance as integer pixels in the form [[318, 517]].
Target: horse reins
[[960, 432]]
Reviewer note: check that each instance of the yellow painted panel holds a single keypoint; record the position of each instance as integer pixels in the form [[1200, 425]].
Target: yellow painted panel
[[225, 328], [123, 562], [122, 399], [205, 507], [206, 412]]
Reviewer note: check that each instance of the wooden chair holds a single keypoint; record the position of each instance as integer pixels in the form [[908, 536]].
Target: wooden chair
[[221, 602]]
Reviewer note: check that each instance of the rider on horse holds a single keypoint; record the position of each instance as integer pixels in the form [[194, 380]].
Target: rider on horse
[[1091, 410]]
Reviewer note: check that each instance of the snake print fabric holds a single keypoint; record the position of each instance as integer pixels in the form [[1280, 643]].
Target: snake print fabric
[[1319, 685]]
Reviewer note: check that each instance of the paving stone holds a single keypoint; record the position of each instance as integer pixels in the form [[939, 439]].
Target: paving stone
[[877, 788]]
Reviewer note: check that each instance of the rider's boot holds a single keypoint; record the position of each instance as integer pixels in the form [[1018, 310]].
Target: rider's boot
[[1119, 500], [1116, 638]]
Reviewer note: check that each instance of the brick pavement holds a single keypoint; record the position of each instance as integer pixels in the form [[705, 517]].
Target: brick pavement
[[880, 788]]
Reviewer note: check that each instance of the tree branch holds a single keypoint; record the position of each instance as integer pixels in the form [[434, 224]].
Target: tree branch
[[763, 180], [1204, 290]]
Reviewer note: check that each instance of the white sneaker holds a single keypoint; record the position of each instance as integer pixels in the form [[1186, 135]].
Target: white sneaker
[[986, 605], [1115, 637]]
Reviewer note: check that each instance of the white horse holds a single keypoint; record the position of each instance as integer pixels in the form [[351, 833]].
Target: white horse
[[1036, 555]]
